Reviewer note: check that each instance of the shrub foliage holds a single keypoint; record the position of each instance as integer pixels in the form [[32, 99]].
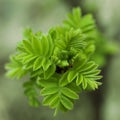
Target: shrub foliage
[[59, 64]]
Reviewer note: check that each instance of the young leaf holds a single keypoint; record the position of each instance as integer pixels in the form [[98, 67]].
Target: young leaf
[[46, 63], [71, 76], [48, 99], [63, 79], [50, 71], [38, 63], [55, 102], [49, 90], [67, 103], [69, 93], [79, 79]]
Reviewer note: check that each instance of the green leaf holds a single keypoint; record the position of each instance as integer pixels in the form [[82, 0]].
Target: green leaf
[[27, 46], [50, 71], [48, 99], [15, 68], [71, 76], [55, 102], [36, 45], [37, 73], [63, 79], [48, 83], [49, 90], [92, 72], [46, 63], [76, 14], [74, 87], [69, 93], [87, 72], [93, 84], [45, 45], [38, 63], [62, 108], [79, 79], [84, 83], [87, 23], [51, 46], [67, 103], [27, 58]]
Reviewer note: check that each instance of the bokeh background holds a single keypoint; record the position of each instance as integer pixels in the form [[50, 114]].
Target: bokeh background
[[40, 15]]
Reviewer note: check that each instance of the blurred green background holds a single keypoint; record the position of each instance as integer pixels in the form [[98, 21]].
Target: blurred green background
[[40, 15]]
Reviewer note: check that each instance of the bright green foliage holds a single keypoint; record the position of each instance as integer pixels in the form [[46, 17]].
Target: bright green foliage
[[60, 63], [15, 68]]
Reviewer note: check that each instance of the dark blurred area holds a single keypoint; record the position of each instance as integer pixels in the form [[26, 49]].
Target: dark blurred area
[[15, 16]]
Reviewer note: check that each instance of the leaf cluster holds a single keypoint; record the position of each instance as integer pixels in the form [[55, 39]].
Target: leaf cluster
[[58, 63]]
